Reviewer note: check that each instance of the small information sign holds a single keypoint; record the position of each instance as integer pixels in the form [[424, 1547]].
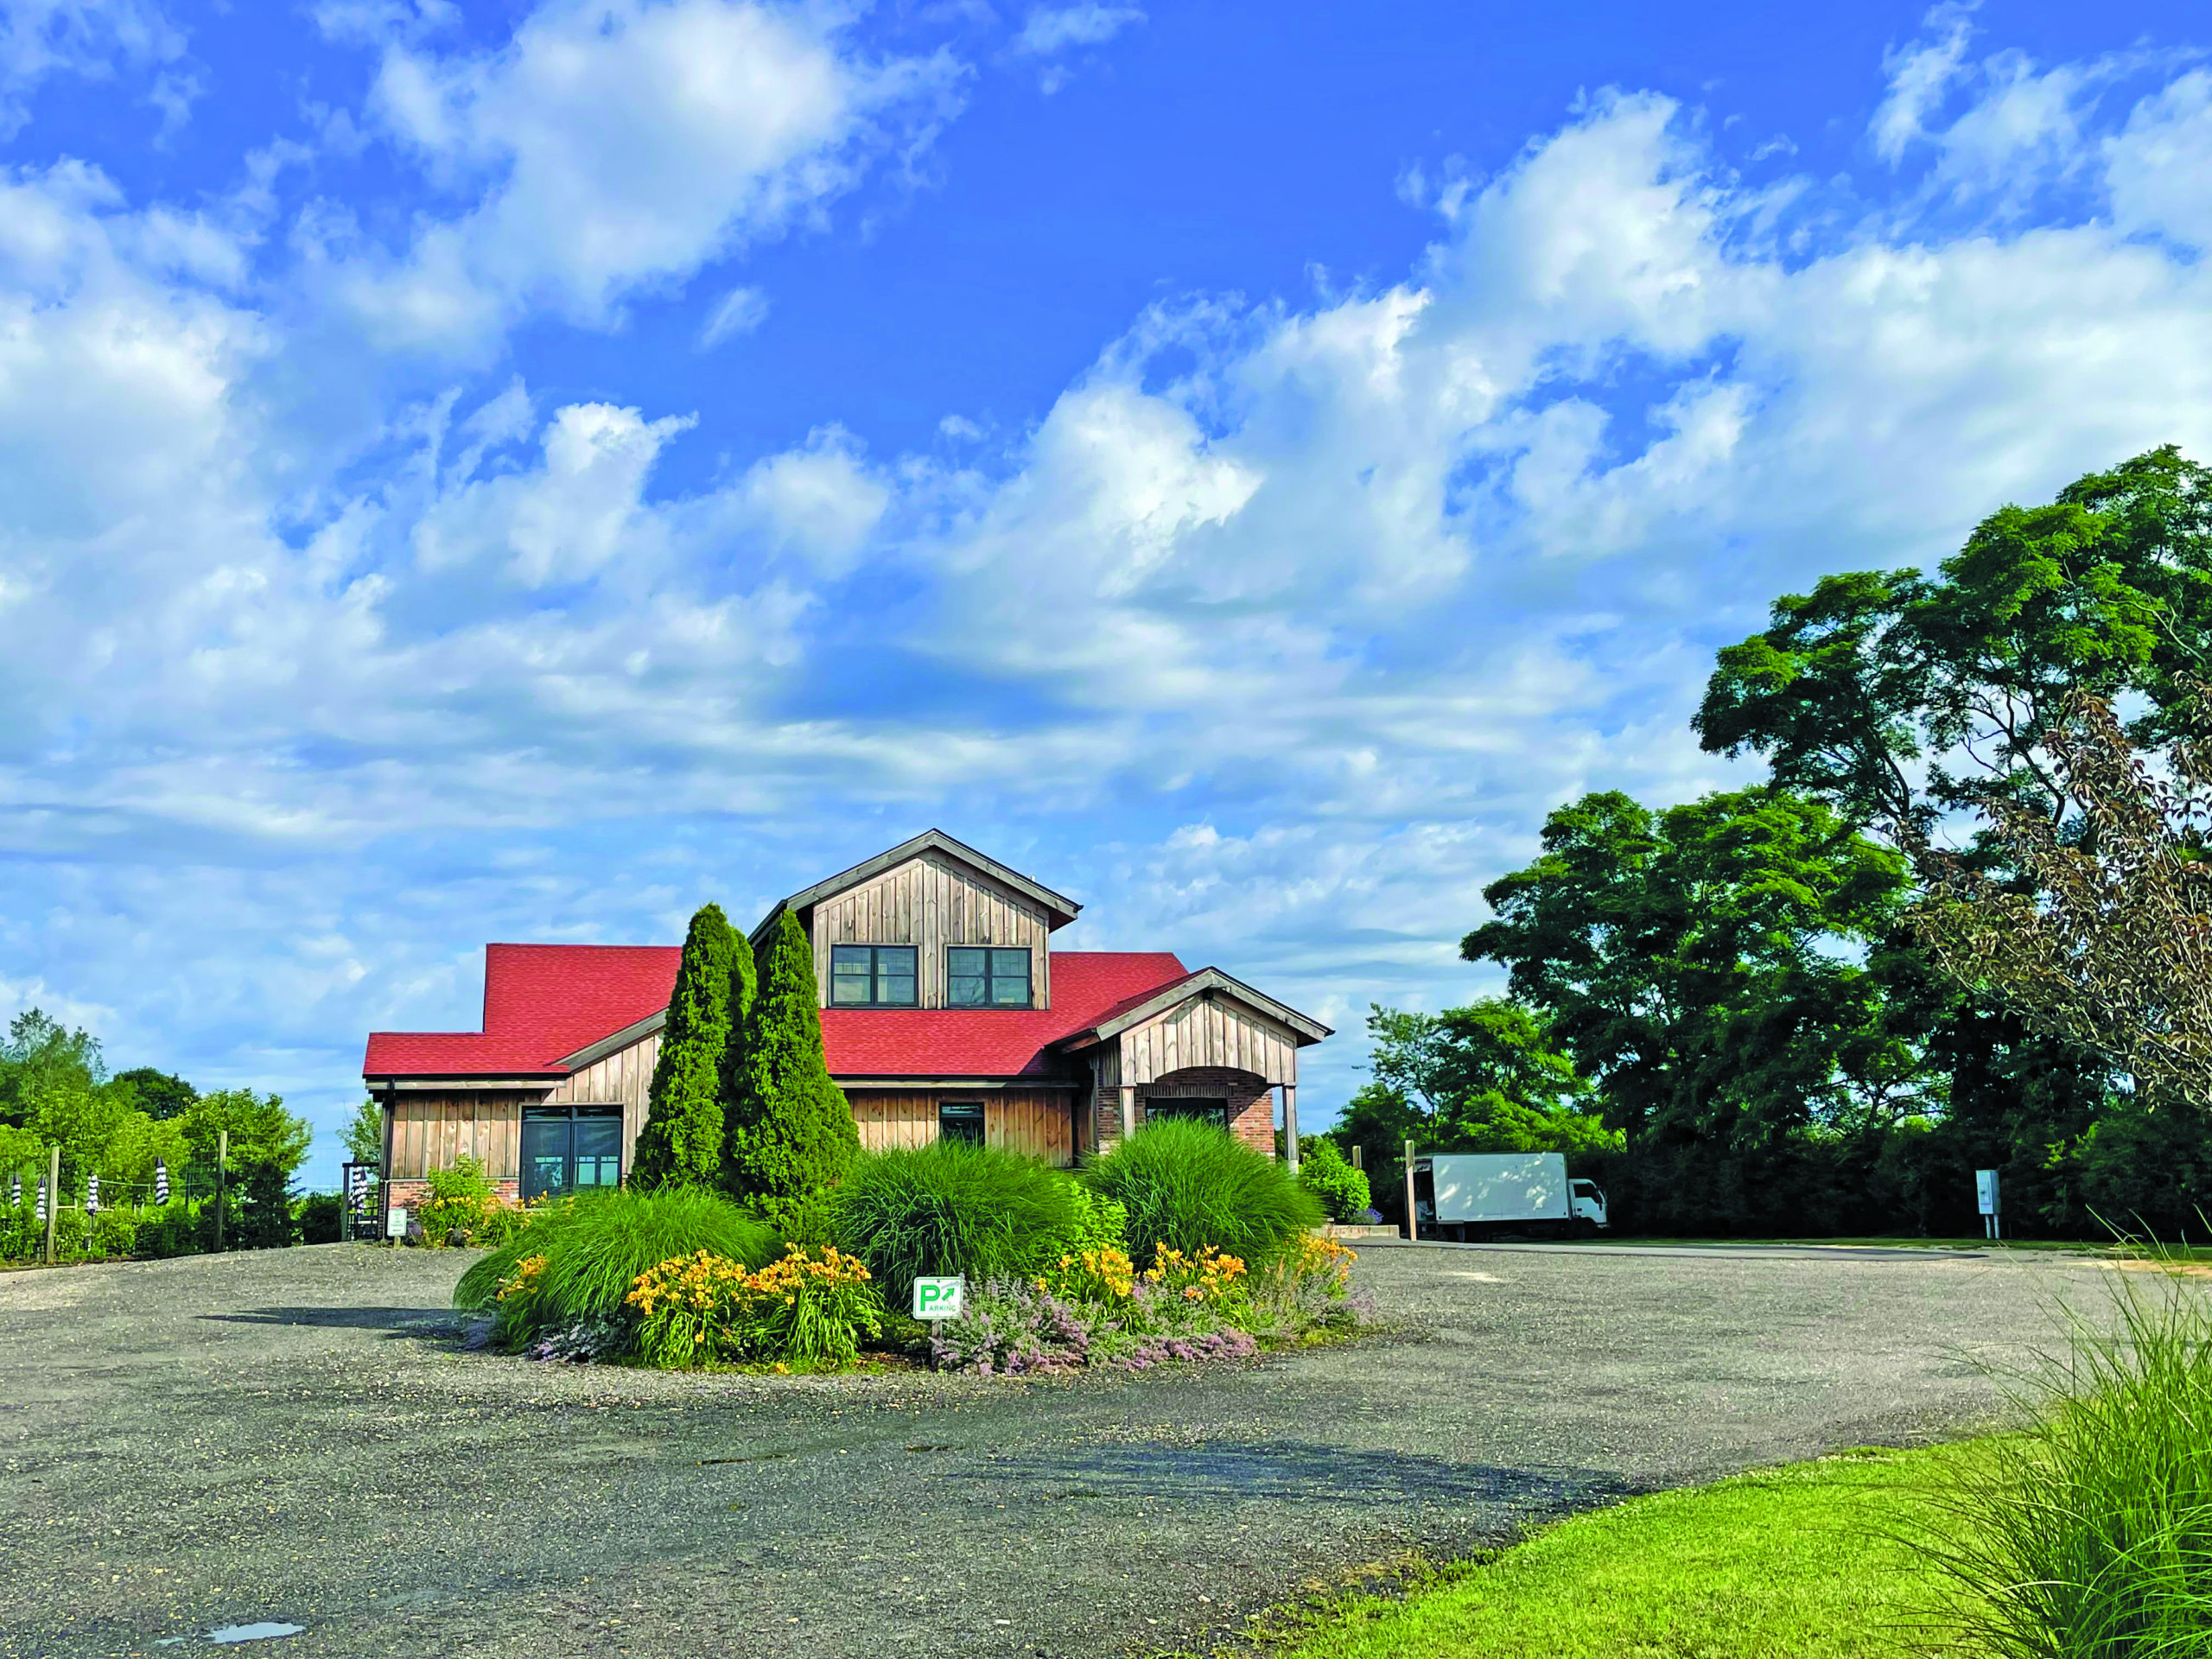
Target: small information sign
[[940, 1299], [1985, 1191], [394, 1223]]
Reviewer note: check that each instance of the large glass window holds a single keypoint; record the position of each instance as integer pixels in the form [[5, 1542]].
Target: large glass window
[[1203, 1110], [977, 976], [961, 1119], [566, 1147], [871, 976]]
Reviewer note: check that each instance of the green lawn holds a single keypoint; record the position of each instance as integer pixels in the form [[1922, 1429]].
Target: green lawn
[[1799, 1562]]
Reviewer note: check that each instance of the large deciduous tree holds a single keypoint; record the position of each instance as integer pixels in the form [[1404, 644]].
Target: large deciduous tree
[[1912, 702], [1717, 970], [1485, 1078], [681, 1143], [1899, 697], [2104, 935], [791, 1134]]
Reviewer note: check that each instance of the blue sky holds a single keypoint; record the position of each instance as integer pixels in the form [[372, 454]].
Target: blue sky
[[518, 471]]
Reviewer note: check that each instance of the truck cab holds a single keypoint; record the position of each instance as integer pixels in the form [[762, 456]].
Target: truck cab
[[1589, 1202]]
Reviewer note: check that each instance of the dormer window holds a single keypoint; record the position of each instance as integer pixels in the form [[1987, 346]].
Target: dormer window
[[986, 977], [872, 977]]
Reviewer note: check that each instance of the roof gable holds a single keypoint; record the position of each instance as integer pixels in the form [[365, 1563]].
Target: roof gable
[[1060, 909], [1147, 1004]]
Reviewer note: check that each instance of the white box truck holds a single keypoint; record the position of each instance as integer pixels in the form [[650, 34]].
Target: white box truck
[[1504, 1192]]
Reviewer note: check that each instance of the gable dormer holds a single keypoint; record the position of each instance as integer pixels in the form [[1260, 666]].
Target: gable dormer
[[931, 924]]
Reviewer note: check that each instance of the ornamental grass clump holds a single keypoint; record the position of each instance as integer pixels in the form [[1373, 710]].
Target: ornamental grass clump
[[809, 1311], [955, 1207], [1186, 1186], [594, 1247], [2089, 1536]]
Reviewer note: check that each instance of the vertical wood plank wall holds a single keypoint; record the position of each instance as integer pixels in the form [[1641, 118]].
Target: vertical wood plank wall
[[931, 902], [624, 1078], [1209, 1032], [430, 1129], [1035, 1123]]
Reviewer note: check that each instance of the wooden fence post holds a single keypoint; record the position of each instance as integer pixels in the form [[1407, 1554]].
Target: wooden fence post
[[1413, 1229], [53, 1197], [222, 1157]]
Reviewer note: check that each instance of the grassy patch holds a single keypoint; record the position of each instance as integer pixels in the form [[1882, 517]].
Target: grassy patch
[[1799, 1562]]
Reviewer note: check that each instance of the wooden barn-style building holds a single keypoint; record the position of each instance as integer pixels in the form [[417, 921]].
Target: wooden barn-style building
[[945, 1011]]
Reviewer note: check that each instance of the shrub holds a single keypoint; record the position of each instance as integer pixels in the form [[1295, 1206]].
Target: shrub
[[955, 1207], [1100, 1224], [595, 1245], [1322, 1171], [808, 1311], [322, 1218], [681, 1143], [464, 1208], [2090, 1535], [1187, 1185], [791, 1127], [179, 1228]]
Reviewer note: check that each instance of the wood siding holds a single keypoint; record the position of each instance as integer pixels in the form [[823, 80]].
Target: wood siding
[[932, 902], [623, 1078], [1036, 1123], [430, 1129], [1209, 1031]]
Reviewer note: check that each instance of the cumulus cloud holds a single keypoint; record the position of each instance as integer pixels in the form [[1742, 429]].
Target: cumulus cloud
[[1048, 34], [610, 148]]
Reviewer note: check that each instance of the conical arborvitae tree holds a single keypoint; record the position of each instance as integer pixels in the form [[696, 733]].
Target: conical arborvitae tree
[[681, 1144], [791, 1129]]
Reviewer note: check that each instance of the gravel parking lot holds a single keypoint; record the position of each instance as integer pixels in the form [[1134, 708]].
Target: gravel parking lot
[[294, 1436]]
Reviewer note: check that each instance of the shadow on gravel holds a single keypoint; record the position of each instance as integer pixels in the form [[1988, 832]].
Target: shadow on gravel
[[400, 1321], [1298, 1470]]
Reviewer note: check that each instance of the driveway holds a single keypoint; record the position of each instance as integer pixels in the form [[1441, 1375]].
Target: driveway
[[293, 1436]]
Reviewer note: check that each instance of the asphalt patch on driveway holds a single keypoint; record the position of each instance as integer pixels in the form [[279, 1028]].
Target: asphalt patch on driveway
[[295, 1437]]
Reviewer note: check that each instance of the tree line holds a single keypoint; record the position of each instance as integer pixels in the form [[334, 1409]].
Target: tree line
[[1953, 928], [56, 1091]]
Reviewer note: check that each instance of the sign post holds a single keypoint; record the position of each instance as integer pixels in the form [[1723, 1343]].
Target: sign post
[[1986, 1199], [53, 1198], [1413, 1225], [940, 1299]]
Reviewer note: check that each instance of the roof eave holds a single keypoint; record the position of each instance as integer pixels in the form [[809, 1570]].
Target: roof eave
[[1306, 1031], [1061, 909]]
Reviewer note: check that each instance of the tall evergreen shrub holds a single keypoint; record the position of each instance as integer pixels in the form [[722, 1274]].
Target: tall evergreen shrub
[[681, 1144], [791, 1129]]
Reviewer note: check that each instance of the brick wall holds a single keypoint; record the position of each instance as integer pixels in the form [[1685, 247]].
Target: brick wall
[[1251, 1105], [412, 1192]]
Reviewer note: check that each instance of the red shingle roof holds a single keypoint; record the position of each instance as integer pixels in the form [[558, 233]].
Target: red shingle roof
[[991, 1042], [542, 1002]]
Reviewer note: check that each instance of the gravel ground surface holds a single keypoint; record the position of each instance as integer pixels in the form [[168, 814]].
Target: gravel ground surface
[[294, 1437]]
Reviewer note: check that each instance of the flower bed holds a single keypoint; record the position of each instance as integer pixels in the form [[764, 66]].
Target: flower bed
[[1094, 1308]]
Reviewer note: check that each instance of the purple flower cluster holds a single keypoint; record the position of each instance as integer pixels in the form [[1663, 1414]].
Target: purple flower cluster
[[1204, 1345], [1014, 1330]]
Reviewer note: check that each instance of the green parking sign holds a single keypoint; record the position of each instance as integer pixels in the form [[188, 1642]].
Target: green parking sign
[[939, 1298]]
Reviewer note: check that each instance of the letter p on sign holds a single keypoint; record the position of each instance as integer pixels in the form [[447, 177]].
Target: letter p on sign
[[940, 1299]]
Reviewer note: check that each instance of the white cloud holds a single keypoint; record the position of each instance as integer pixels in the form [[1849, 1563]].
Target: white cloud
[[740, 312], [91, 39], [1048, 31], [1921, 74], [619, 147]]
